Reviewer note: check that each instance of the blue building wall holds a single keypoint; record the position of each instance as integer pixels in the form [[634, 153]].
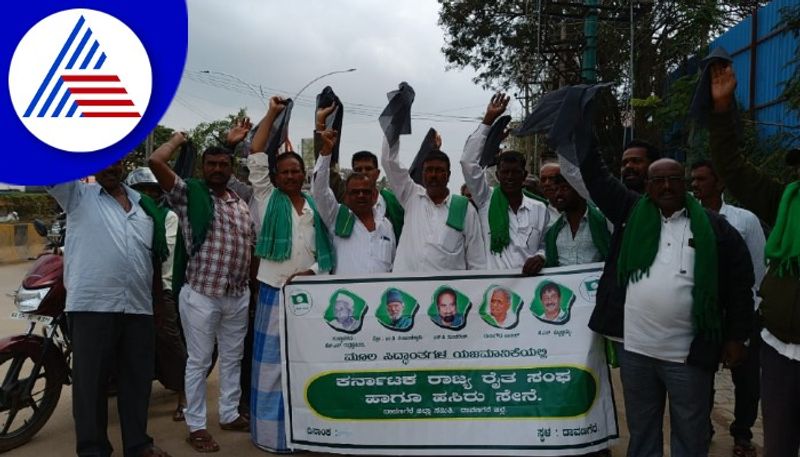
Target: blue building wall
[[772, 69]]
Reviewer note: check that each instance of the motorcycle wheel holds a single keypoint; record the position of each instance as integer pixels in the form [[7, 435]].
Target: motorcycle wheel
[[24, 411]]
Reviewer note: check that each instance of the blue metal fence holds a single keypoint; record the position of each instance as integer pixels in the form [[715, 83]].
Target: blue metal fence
[[761, 80]]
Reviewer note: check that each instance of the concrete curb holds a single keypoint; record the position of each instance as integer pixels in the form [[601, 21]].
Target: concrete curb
[[19, 243]]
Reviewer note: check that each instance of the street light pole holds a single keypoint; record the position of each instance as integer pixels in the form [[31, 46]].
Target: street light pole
[[258, 93], [320, 77]]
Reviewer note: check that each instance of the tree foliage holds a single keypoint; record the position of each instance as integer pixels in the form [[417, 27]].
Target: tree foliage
[[512, 46]]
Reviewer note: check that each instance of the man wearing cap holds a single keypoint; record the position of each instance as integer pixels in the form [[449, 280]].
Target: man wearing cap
[[395, 308], [779, 205], [170, 349]]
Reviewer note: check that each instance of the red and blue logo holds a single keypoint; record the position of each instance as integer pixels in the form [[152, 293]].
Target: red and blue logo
[[81, 86]]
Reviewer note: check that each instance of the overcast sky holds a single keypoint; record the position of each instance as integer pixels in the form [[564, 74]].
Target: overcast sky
[[279, 46]]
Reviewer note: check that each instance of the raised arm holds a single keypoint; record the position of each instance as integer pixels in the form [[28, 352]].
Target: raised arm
[[399, 180], [334, 180], [470, 159], [607, 192], [320, 184], [756, 190], [257, 161], [572, 174], [159, 161]]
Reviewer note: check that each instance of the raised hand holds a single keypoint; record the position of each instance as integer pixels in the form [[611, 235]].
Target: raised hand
[[328, 138], [276, 105], [322, 116], [239, 131], [178, 138], [723, 85], [497, 106]]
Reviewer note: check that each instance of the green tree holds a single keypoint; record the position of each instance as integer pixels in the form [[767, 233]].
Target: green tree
[[137, 157], [512, 46]]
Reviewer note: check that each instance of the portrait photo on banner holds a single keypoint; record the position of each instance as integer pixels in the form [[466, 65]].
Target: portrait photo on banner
[[397, 309], [345, 311], [552, 303], [500, 307], [449, 308]]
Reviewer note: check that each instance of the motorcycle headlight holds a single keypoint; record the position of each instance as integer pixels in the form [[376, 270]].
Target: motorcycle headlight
[[27, 301]]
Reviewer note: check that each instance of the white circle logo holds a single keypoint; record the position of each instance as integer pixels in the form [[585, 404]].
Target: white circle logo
[[80, 80]]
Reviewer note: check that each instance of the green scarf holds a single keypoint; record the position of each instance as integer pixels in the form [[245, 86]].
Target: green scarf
[[345, 220], [275, 240], [783, 246], [200, 211], [394, 212], [601, 237], [498, 221], [159, 215], [457, 212], [640, 246]]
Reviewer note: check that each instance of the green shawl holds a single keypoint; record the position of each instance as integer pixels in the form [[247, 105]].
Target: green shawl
[[159, 215], [275, 240], [639, 248], [394, 212], [200, 209], [783, 246], [601, 237]]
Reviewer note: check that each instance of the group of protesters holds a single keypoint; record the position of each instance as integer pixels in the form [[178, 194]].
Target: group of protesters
[[209, 257]]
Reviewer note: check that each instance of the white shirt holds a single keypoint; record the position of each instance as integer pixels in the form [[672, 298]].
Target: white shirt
[[171, 225], [363, 251], [427, 243], [579, 249], [658, 307], [304, 245], [747, 224], [526, 227]]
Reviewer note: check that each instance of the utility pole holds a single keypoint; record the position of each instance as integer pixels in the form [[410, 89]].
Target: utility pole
[[148, 146], [589, 61]]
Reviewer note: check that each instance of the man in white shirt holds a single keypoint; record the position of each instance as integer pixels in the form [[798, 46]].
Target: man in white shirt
[[276, 267], [519, 222], [362, 238], [547, 183], [707, 187], [682, 276], [441, 230]]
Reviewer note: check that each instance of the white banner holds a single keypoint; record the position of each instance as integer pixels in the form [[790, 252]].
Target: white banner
[[486, 363]]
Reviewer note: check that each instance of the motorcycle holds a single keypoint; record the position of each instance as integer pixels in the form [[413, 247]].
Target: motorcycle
[[34, 366]]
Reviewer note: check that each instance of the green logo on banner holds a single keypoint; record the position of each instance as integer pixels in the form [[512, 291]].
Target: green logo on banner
[[552, 302], [345, 311], [300, 302], [397, 309], [530, 392], [500, 307], [449, 308]]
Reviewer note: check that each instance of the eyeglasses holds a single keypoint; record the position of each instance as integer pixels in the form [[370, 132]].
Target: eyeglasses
[[662, 180]]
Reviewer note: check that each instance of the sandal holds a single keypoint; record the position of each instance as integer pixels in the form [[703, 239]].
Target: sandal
[[202, 441], [154, 451], [240, 424], [744, 448], [178, 415]]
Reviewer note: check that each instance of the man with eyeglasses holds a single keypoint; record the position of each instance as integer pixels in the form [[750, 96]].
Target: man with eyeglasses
[[676, 289], [513, 224], [363, 238]]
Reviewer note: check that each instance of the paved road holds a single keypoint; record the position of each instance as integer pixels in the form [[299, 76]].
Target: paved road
[[57, 439]]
